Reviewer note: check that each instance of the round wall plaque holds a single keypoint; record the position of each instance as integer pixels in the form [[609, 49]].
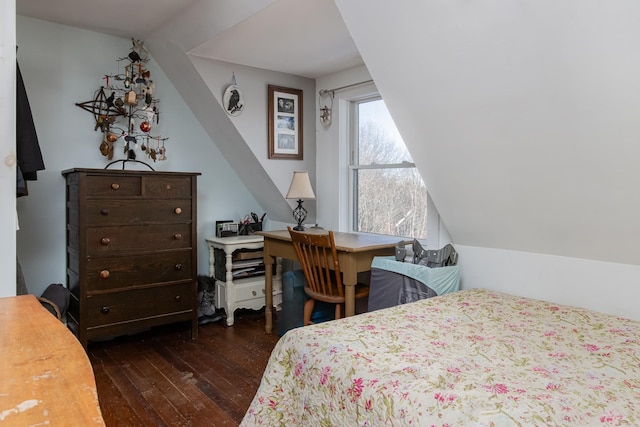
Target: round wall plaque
[[232, 100]]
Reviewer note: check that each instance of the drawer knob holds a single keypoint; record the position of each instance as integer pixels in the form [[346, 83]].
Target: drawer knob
[[178, 267], [105, 310], [178, 298], [115, 186], [104, 274], [177, 236], [168, 186], [105, 241], [104, 212], [178, 211], [254, 293]]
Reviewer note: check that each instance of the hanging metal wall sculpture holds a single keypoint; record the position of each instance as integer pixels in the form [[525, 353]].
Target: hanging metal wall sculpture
[[125, 109]]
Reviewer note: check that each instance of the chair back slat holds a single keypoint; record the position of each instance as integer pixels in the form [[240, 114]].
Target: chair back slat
[[318, 257]]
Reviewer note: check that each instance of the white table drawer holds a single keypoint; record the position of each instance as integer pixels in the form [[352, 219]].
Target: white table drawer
[[250, 291]]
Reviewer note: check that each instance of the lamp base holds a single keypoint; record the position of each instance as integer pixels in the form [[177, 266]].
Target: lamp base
[[299, 214]]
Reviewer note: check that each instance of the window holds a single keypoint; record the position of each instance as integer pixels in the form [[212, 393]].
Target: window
[[387, 194]]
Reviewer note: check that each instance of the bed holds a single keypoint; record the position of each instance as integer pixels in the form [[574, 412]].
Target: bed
[[468, 358]]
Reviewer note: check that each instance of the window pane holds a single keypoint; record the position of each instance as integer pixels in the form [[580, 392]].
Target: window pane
[[386, 200], [391, 201], [379, 140]]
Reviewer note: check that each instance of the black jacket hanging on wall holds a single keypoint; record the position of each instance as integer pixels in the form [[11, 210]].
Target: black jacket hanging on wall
[[27, 147]]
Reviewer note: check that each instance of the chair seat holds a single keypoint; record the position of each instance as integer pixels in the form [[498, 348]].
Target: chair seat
[[362, 291]]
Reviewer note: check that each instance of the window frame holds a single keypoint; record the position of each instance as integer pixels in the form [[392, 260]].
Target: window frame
[[353, 151]]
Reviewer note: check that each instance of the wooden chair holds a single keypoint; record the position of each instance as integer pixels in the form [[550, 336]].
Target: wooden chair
[[319, 260]]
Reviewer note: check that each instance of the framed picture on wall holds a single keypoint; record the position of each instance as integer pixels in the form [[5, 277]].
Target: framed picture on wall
[[285, 123]]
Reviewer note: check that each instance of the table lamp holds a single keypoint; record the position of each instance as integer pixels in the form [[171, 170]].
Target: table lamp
[[300, 189]]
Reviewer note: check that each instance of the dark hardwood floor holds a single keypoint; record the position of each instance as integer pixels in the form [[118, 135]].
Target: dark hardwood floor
[[163, 378]]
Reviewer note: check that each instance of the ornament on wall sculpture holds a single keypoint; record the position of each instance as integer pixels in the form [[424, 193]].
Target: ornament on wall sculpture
[[117, 107], [232, 99]]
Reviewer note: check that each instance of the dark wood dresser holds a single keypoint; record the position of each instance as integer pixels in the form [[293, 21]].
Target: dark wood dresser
[[131, 251]]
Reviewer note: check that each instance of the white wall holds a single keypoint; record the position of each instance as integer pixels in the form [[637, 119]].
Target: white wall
[[332, 180], [63, 65], [252, 123], [602, 286], [7, 147]]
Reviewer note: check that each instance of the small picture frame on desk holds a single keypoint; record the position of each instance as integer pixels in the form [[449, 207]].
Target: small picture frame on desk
[[226, 228]]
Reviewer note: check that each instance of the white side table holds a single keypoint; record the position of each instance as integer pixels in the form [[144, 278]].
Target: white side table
[[238, 284]]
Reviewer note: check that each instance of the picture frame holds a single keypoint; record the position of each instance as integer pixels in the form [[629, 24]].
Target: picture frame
[[285, 123]]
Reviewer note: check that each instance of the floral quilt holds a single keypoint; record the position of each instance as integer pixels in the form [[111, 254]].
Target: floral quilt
[[469, 358]]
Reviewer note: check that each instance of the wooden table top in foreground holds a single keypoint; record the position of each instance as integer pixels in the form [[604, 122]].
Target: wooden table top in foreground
[[45, 375]]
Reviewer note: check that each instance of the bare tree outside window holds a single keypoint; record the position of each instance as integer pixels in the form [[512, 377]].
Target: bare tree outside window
[[389, 196]]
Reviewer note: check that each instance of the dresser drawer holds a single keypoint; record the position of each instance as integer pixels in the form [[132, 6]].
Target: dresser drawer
[[110, 212], [113, 186], [136, 270], [102, 241], [105, 309], [168, 187]]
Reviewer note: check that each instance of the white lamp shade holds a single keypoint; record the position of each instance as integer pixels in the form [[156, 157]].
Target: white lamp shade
[[300, 187]]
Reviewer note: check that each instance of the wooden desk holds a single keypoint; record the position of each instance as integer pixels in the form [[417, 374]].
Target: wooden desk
[[45, 376], [355, 253]]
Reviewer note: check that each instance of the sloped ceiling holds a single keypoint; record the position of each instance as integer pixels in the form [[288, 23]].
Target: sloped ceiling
[[304, 38], [523, 116], [120, 18]]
